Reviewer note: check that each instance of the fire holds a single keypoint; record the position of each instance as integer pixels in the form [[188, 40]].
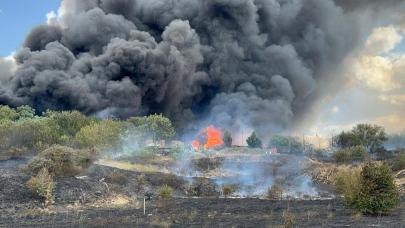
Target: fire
[[208, 138]]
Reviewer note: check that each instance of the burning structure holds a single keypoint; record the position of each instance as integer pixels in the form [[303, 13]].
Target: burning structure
[[208, 138]]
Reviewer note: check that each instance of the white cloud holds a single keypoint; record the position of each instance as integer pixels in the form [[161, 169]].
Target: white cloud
[[51, 18], [376, 72], [7, 67], [376, 66], [382, 40], [393, 99]]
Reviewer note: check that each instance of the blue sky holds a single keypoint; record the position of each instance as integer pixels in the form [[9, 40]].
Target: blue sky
[[17, 17]]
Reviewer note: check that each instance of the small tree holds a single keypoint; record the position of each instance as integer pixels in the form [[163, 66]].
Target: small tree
[[227, 138], [253, 141], [378, 192]]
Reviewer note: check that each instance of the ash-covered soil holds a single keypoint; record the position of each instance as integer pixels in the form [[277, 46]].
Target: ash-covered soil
[[110, 197], [209, 212]]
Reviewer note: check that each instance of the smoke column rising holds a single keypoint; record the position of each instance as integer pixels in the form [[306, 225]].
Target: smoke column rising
[[236, 63]]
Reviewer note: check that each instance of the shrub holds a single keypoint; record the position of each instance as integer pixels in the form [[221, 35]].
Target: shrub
[[177, 151], [253, 141], [378, 192], [398, 162], [156, 126], [319, 153], [286, 144], [227, 138], [148, 153], [347, 182], [69, 122], [25, 112], [42, 184], [275, 192], [356, 153], [105, 135], [227, 190], [165, 192], [288, 219], [7, 113], [63, 161], [118, 178], [33, 135]]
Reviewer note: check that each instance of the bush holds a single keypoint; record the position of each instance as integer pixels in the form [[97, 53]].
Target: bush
[[177, 151], [227, 138], [378, 192], [105, 135], [275, 192], [347, 182], [69, 123], [398, 162], [63, 161], [286, 144], [319, 153], [42, 184], [7, 114], [158, 127], [253, 141], [32, 135], [288, 219], [165, 192], [227, 190], [356, 153], [118, 178]]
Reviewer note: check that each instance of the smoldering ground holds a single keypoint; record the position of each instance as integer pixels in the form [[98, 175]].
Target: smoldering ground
[[237, 63]]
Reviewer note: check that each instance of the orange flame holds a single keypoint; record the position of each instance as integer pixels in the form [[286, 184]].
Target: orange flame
[[212, 138]]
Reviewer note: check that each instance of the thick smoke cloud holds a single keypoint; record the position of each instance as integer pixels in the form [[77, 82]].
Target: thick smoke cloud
[[235, 63]]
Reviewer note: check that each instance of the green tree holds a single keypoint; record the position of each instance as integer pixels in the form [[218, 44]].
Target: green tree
[[32, 135], [156, 126], [25, 112], [7, 113], [346, 139], [104, 135], [378, 192], [227, 138], [253, 141], [285, 144], [372, 137], [69, 122]]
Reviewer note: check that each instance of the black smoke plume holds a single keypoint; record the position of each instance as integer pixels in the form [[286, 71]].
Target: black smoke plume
[[255, 63]]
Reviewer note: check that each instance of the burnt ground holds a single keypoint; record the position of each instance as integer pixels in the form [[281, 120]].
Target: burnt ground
[[77, 204], [211, 212]]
